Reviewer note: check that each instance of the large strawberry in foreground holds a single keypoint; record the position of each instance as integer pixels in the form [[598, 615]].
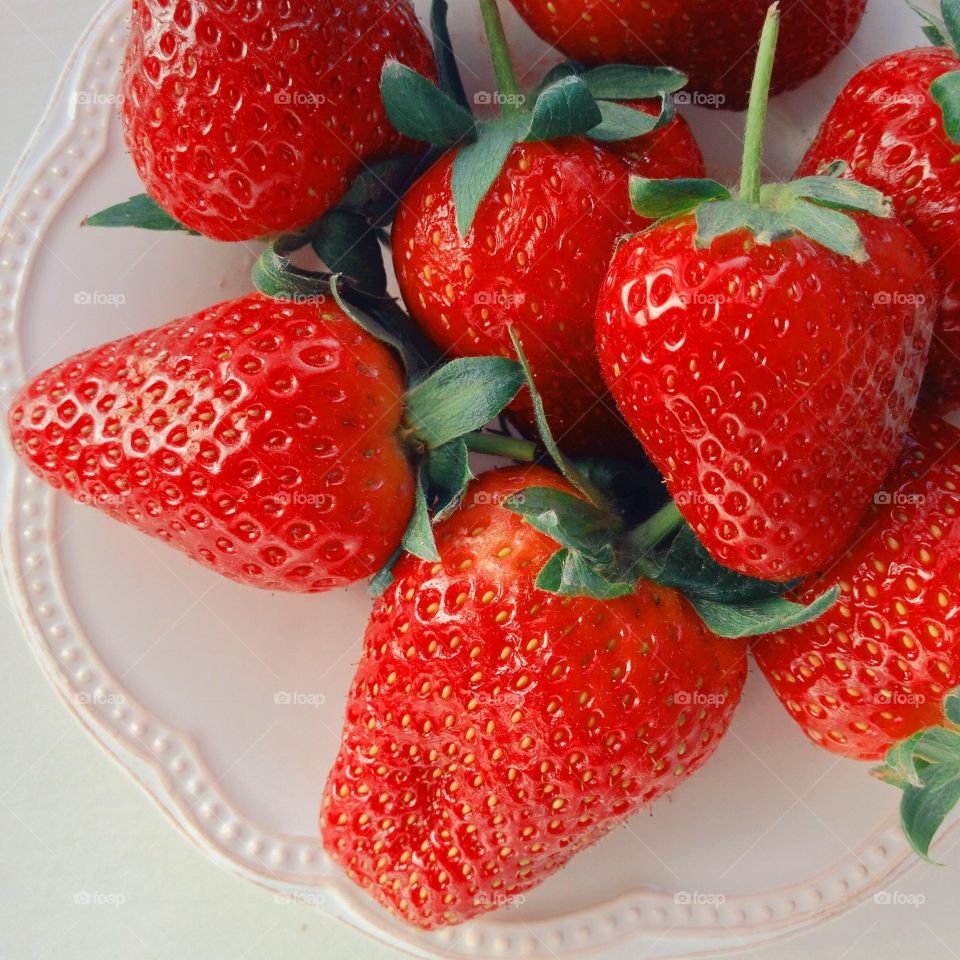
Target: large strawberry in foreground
[[897, 126], [530, 246], [252, 120], [767, 349], [873, 677], [272, 441], [713, 41], [494, 730]]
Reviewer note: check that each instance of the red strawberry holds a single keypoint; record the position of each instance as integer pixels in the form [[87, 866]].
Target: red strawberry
[[268, 437], [532, 248], [888, 127], [713, 41], [767, 350], [534, 259], [876, 668], [253, 119], [494, 730], [259, 437]]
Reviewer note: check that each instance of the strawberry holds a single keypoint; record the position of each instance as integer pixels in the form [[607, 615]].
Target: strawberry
[[877, 675], [270, 440], [896, 126], [529, 249], [876, 669], [493, 730], [713, 42], [767, 349], [251, 121]]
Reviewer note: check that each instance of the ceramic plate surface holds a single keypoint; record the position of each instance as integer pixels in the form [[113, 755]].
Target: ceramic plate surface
[[225, 703]]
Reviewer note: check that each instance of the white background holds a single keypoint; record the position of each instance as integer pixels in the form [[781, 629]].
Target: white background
[[72, 825]]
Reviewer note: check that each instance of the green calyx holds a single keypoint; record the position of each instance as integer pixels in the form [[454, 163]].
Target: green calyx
[[603, 551], [926, 767], [446, 404], [817, 207], [944, 31], [570, 101]]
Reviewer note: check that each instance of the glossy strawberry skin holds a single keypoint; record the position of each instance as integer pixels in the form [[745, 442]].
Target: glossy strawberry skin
[[246, 119], [889, 130], [875, 668], [258, 437], [534, 259], [492, 730], [771, 385], [712, 41]]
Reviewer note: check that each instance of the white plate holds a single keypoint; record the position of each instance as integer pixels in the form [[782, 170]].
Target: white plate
[[183, 676]]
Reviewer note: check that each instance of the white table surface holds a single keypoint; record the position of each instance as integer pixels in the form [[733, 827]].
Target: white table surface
[[74, 828]]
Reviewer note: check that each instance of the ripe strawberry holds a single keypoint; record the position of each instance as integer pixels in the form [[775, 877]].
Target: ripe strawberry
[[494, 730], [767, 350], [532, 251], [888, 125], [249, 121], [271, 441], [534, 259], [713, 42], [876, 668]]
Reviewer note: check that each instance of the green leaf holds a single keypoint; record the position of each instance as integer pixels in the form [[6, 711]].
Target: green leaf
[[934, 28], [945, 91], [374, 191], [565, 466], [951, 706], [950, 11], [570, 575], [621, 122], [461, 396], [762, 616], [901, 763], [830, 228], [923, 809], [840, 194], [727, 216], [384, 576], [448, 71], [420, 110], [570, 520], [478, 164], [938, 745], [348, 245], [689, 568], [566, 108], [139, 211], [448, 473], [418, 537], [621, 81], [665, 199]]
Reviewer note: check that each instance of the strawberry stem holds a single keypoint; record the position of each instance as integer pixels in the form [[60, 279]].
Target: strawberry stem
[[654, 531], [503, 68], [497, 445], [757, 111]]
